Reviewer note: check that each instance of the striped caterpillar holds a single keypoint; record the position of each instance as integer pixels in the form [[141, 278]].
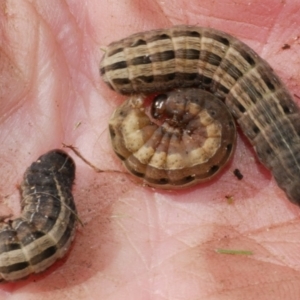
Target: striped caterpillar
[[44, 231], [181, 57]]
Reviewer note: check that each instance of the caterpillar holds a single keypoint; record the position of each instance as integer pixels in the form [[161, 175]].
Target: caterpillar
[[183, 57], [192, 144], [46, 227]]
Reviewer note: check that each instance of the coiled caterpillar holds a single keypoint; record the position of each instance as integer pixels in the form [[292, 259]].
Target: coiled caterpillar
[[188, 56]]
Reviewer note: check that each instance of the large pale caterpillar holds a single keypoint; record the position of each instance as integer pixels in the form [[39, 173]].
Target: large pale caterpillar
[[44, 231], [181, 57]]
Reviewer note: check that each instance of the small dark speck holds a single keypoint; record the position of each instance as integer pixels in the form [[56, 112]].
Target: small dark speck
[[238, 174], [229, 199], [286, 46]]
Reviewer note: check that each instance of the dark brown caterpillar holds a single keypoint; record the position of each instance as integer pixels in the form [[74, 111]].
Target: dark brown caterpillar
[[187, 56], [44, 231]]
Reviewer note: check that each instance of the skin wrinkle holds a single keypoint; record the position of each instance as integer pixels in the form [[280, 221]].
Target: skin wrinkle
[[11, 70], [104, 274]]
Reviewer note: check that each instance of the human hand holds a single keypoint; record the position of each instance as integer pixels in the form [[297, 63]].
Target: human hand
[[140, 243]]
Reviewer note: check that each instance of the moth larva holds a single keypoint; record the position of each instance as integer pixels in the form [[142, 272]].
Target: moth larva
[[189, 144], [187, 56], [44, 231]]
